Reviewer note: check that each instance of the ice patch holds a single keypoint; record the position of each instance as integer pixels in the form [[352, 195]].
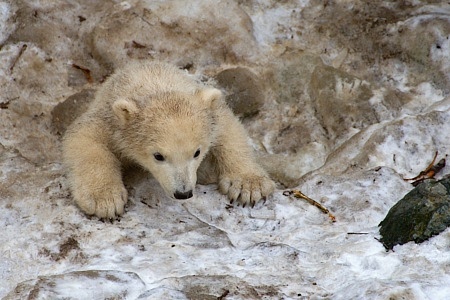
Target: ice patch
[[6, 26]]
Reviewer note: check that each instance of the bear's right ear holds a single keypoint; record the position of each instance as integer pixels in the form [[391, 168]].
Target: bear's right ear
[[125, 110], [210, 96]]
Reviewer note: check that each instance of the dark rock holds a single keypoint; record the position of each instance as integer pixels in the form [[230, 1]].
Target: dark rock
[[244, 90], [67, 111], [421, 214]]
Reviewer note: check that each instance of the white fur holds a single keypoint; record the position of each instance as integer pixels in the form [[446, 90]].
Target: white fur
[[152, 110]]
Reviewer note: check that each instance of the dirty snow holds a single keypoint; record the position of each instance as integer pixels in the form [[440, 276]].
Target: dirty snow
[[282, 249]]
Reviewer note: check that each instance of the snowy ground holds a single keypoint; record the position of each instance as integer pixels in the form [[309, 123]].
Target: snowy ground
[[204, 248]]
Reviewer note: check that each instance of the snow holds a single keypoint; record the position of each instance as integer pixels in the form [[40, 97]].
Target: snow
[[5, 14], [285, 243], [283, 248]]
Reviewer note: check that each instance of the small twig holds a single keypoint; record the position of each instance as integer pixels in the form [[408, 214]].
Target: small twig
[[21, 51], [429, 172], [4, 105], [357, 233], [425, 172], [145, 203], [86, 72], [137, 45], [435, 169], [300, 195]]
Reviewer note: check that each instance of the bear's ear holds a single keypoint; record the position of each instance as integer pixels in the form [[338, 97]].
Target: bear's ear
[[125, 110], [210, 96]]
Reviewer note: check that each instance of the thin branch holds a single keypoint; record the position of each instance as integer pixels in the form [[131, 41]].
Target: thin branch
[[300, 195], [423, 173], [21, 51], [429, 172], [86, 72]]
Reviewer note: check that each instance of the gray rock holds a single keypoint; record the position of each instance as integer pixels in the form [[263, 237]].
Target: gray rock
[[244, 90], [67, 111], [421, 214]]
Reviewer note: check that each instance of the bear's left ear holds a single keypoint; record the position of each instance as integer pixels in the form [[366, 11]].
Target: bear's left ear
[[125, 110], [210, 96]]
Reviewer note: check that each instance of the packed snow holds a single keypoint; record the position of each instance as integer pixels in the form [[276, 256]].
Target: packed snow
[[205, 248]]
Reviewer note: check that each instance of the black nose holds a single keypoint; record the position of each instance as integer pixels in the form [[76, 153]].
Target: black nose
[[183, 195]]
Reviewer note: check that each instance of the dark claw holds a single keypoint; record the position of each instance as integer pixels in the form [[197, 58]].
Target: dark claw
[[109, 220], [253, 204], [243, 205], [231, 201]]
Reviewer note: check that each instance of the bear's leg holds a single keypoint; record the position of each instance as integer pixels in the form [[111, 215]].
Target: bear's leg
[[94, 174], [240, 177]]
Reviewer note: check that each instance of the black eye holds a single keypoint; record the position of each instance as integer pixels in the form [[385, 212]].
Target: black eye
[[197, 153], [158, 156]]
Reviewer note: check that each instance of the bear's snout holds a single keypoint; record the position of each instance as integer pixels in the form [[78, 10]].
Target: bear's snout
[[183, 195]]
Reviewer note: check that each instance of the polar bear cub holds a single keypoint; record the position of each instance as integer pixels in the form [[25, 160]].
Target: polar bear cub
[[157, 116]]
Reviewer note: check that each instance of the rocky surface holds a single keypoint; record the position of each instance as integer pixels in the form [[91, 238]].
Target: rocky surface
[[345, 100], [421, 214], [244, 91]]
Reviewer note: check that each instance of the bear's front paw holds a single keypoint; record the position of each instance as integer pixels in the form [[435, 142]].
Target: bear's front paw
[[104, 203], [247, 189]]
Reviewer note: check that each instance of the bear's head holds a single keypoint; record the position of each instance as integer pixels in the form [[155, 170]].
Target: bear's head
[[169, 134]]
